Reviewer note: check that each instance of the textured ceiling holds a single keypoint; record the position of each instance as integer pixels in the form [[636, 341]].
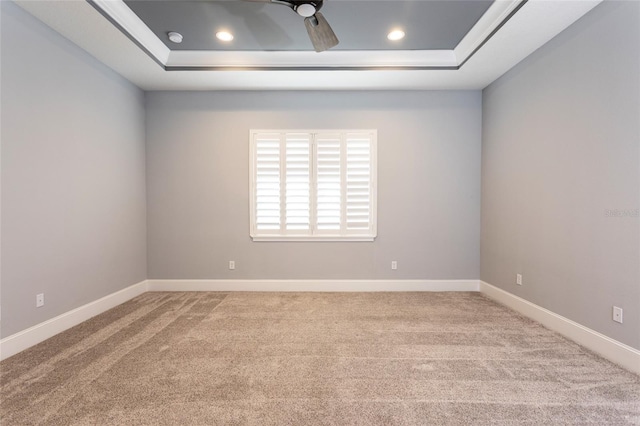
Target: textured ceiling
[[359, 24]]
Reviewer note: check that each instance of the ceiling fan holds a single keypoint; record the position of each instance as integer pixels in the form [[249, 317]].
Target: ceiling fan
[[320, 33]]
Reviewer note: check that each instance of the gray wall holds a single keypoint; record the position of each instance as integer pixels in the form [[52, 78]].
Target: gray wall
[[561, 146], [428, 185], [73, 178]]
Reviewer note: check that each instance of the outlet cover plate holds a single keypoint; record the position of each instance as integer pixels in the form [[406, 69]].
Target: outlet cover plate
[[617, 314]]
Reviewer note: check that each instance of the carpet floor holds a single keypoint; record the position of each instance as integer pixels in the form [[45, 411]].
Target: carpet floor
[[313, 359]]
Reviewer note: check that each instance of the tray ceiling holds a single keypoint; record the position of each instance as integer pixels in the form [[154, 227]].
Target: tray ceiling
[[445, 47], [359, 24]]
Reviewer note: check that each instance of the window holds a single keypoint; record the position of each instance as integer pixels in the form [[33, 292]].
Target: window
[[313, 185]]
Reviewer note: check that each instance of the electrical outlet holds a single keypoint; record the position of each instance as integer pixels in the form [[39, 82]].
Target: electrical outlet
[[39, 300], [519, 279], [394, 265], [232, 264], [617, 314]]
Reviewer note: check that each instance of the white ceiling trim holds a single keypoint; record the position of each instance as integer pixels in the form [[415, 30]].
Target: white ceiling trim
[[310, 59], [537, 22], [130, 23], [497, 13], [121, 15]]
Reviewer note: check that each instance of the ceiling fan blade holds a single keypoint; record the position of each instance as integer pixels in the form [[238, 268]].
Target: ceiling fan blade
[[320, 32]]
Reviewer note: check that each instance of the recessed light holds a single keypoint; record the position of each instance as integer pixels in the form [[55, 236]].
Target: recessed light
[[396, 35], [224, 35], [175, 37]]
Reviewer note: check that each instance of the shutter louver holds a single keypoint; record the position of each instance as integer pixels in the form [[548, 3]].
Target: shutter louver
[[298, 182], [329, 182], [267, 175], [358, 185]]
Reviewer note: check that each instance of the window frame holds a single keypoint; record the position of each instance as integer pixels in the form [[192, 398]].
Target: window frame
[[313, 234]]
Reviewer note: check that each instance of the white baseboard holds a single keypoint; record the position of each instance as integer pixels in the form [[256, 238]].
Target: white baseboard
[[313, 285], [614, 351], [611, 349], [24, 339]]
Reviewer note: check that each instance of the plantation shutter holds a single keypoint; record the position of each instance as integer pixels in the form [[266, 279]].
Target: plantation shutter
[[267, 181], [313, 185], [297, 188], [358, 182], [328, 182]]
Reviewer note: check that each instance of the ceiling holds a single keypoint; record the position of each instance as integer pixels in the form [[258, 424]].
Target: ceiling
[[449, 44], [360, 25]]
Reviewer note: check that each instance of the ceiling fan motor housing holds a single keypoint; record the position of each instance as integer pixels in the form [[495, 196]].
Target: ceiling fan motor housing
[[320, 33]]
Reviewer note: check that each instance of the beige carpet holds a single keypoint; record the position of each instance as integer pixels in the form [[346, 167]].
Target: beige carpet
[[313, 359]]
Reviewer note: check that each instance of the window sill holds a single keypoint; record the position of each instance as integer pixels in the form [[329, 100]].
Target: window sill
[[328, 238]]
